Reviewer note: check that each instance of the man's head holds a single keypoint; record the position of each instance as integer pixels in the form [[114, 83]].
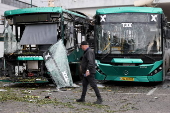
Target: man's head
[[84, 45]]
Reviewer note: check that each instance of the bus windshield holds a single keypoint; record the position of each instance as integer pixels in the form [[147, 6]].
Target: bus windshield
[[128, 33]]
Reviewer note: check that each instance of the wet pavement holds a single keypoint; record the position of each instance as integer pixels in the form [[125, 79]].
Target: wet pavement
[[119, 97]]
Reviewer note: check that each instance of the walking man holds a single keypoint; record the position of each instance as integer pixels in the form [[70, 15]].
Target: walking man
[[88, 71]]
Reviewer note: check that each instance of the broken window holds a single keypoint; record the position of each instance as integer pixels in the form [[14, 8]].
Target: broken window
[[10, 43]]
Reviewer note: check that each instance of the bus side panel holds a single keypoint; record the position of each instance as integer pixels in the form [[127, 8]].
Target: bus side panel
[[2, 49]]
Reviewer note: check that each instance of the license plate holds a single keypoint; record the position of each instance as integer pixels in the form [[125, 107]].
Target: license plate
[[127, 78]]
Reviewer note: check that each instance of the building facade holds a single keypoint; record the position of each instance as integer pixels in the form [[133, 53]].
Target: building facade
[[89, 6], [15, 4]]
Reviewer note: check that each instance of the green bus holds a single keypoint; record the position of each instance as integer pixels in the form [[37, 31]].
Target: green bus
[[131, 44], [29, 32]]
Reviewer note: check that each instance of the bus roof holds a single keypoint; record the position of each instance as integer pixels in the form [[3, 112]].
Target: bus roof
[[129, 10], [40, 10]]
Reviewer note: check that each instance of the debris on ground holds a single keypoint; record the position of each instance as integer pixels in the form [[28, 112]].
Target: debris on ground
[[47, 97], [3, 90], [100, 85]]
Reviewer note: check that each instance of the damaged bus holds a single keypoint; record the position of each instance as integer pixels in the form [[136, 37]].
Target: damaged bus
[[131, 44], [30, 32]]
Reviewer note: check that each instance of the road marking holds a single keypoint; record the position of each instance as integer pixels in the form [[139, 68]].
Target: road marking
[[151, 91], [131, 93], [121, 93]]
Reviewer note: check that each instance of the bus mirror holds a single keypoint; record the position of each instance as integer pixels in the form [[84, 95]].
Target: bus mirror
[[71, 29], [83, 32], [67, 31], [167, 33]]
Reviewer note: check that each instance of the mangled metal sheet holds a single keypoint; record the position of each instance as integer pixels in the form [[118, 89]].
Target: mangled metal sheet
[[57, 64]]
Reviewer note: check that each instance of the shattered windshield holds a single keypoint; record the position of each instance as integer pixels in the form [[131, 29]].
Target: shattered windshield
[[10, 43], [129, 33]]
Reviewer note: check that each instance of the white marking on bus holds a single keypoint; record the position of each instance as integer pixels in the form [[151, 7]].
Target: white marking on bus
[[154, 17], [103, 18], [127, 24], [151, 91]]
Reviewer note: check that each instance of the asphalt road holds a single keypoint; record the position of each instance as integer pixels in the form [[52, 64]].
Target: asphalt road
[[119, 97], [141, 97]]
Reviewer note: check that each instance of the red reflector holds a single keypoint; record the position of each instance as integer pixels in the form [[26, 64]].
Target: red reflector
[[30, 74]]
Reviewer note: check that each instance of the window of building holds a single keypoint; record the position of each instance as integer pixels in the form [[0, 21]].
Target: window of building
[[17, 3]]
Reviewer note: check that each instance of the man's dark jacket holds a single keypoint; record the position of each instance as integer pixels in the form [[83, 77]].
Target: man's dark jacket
[[88, 61]]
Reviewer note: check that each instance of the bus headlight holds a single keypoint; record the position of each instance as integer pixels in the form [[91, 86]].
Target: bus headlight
[[158, 69], [100, 71]]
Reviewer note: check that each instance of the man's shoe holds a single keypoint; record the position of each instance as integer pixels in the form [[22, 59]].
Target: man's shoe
[[99, 101], [80, 100]]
